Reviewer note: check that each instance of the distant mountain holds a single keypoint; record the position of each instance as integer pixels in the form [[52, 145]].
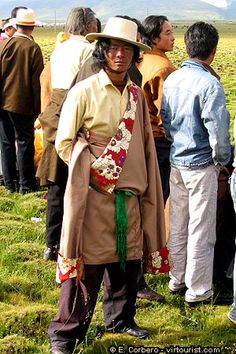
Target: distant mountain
[[49, 11]]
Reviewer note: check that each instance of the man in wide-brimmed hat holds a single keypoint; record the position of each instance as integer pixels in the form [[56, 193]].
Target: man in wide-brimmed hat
[[20, 67], [8, 29], [113, 199]]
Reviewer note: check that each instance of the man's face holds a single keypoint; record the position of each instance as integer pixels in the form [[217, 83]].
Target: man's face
[[119, 55], [165, 41], [10, 31]]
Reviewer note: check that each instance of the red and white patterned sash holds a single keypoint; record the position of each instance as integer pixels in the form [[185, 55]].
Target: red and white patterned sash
[[106, 169]]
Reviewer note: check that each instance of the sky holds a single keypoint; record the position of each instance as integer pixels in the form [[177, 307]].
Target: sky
[[47, 10], [219, 3]]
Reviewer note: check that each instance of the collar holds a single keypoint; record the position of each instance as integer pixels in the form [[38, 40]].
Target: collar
[[105, 80], [18, 34], [156, 52], [79, 37], [204, 66]]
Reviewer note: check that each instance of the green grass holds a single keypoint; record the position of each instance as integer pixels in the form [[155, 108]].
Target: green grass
[[29, 295]]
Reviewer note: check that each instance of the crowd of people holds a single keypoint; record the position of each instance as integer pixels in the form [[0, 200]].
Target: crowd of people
[[136, 160]]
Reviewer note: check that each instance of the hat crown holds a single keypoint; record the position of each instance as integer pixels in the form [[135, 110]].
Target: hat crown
[[25, 17], [10, 23], [122, 28]]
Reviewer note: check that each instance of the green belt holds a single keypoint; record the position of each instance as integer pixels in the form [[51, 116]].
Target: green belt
[[121, 225]]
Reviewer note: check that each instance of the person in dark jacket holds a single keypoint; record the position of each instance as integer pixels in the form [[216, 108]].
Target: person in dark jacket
[[21, 64]]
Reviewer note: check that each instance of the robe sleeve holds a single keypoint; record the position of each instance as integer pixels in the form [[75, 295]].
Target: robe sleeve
[[152, 207]]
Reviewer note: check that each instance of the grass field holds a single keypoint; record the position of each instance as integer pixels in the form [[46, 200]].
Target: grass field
[[29, 295]]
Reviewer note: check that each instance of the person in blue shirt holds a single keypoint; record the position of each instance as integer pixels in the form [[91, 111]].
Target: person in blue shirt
[[196, 121]]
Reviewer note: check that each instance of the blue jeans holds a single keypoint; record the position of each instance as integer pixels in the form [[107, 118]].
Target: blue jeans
[[232, 313], [17, 150]]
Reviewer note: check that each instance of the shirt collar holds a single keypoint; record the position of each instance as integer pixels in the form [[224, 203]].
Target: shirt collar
[[158, 52], [79, 37], [105, 80], [203, 65], [18, 34]]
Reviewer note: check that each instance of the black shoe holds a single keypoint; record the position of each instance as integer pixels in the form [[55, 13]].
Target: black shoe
[[135, 331], [10, 190], [149, 294], [223, 298], [50, 253], [223, 291], [1, 180], [181, 291], [24, 191], [62, 347], [57, 350], [198, 303], [132, 330]]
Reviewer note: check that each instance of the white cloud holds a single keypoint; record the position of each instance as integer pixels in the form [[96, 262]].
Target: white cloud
[[219, 3]]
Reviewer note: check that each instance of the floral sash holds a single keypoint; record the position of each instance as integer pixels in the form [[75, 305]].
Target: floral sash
[[106, 169]]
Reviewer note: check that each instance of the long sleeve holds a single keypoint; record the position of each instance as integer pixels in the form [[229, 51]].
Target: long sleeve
[[216, 122], [37, 68], [152, 204], [69, 123]]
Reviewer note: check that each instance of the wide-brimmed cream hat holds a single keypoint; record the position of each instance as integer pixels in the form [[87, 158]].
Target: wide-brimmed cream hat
[[121, 29], [25, 17], [10, 23]]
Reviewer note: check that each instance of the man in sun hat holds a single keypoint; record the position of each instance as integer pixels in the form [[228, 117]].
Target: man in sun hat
[[21, 64], [113, 197], [8, 29]]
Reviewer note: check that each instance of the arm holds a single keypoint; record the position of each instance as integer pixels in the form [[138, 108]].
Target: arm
[[46, 87], [152, 205], [216, 120], [37, 68], [71, 120], [166, 119], [153, 90]]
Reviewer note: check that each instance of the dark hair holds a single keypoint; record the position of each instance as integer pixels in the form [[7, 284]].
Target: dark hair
[[101, 47], [138, 23], [152, 28], [99, 25], [200, 39], [15, 10]]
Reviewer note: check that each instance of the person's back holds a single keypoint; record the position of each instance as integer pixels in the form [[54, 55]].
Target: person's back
[[189, 96], [22, 63], [69, 63], [197, 123]]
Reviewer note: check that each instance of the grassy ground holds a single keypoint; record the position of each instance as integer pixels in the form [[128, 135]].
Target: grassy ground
[[29, 295]]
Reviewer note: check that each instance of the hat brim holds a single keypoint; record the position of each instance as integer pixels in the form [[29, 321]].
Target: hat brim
[[91, 37], [21, 23]]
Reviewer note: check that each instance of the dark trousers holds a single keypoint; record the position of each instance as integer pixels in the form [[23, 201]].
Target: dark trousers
[[77, 302], [54, 213], [224, 251], [163, 157], [17, 129]]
